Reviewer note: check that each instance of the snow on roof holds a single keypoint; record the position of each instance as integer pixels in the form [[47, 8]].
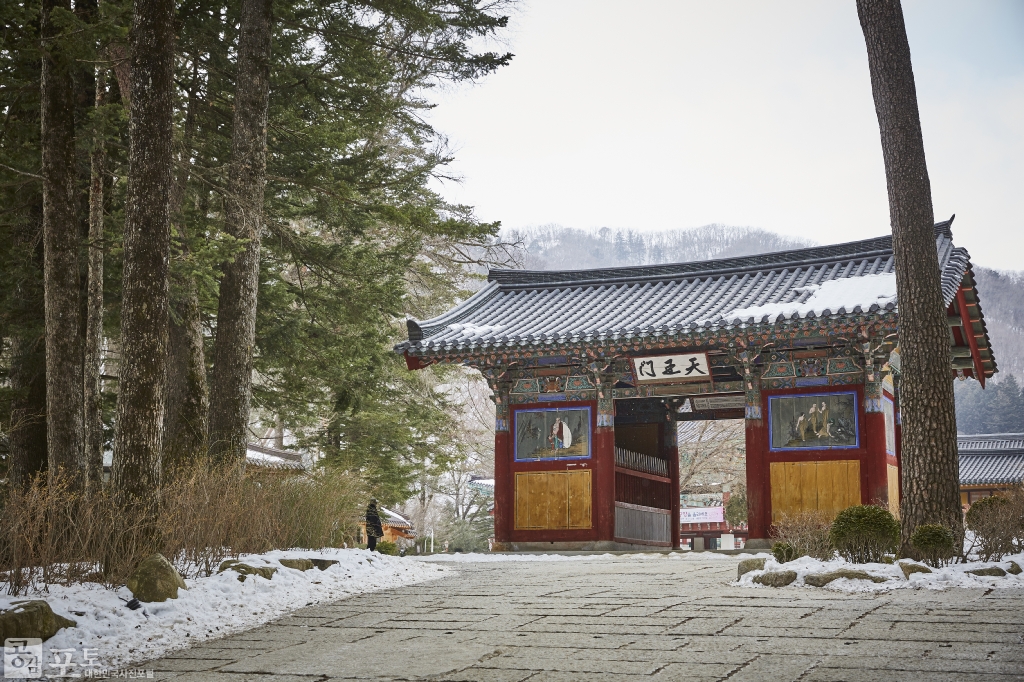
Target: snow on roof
[[394, 519], [833, 296], [523, 309]]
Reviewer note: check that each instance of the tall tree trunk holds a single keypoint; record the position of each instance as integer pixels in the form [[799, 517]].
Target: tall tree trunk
[[60, 236], [931, 487], [185, 419], [94, 314], [147, 243], [231, 389], [185, 425], [27, 442]]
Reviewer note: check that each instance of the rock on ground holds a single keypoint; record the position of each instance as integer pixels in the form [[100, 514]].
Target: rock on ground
[[993, 571], [776, 578], [244, 570], [748, 565], [297, 564], [33, 618], [822, 579], [155, 579], [909, 569]]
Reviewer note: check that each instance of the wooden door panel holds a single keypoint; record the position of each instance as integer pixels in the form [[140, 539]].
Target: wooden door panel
[[829, 486], [554, 500], [579, 499], [558, 499]]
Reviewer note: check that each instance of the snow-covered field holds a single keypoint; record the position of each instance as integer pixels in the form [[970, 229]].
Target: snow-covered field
[[943, 578], [216, 606]]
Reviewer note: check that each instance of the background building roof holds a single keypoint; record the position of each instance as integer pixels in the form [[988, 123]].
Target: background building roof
[[991, 459]]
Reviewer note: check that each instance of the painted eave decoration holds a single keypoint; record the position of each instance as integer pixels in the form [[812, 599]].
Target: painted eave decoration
[[801, 292]]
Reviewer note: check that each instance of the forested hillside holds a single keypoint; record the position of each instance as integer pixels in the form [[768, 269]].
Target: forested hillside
[[1000, 407]]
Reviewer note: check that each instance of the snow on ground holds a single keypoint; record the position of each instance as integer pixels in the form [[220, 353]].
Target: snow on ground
[[218, 605], [943, 578]]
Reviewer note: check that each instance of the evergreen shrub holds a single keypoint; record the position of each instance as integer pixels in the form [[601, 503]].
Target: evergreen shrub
[[783, 552], [389, 548], [865, 533], [935, 543]]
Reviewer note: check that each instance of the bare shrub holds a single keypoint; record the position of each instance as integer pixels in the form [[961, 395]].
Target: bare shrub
[[807, 533], [997, 524], [51, 534]]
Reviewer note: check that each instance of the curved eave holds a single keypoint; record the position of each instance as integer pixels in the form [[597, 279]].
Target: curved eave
[[747, 328]]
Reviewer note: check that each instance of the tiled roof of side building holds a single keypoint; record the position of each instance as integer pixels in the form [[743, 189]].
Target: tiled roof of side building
[[531, 308], [991, 459]]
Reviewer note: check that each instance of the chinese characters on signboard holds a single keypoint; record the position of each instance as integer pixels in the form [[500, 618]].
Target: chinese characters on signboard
[[672, 368]]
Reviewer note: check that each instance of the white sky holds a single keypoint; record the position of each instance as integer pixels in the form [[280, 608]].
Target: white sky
[[653, 115]]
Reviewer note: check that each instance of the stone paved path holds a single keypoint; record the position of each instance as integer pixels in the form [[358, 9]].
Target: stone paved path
[[625, 619]]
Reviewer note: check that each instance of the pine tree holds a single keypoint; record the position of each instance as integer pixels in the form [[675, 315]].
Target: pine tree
[[931, 489], [144, 307], [64, 397]]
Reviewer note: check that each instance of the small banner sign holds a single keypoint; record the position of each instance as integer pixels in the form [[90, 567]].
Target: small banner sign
[[702, 515], [665, 369]]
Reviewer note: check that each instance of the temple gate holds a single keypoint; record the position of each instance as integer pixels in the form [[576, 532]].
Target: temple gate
[[592, 369]]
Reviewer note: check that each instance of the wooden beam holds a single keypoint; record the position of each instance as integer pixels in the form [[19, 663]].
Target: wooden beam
[[960, 351], [972, 341], [955, 321]]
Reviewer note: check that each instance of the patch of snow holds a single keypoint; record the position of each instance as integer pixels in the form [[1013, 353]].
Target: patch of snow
[[218, 605], [954, 575], [846, 293], [475, 331]]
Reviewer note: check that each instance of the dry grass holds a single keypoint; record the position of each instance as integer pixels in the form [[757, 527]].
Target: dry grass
[[50, 534], [807, 532]]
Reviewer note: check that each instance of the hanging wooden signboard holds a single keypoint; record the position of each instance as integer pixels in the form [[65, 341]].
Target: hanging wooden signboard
[[670, 369]]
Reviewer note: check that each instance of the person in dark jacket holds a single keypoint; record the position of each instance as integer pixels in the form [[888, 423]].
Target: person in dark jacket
[[374, 529]]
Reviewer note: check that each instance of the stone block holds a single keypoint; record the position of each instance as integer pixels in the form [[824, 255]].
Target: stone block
[[748, 565], [776, 578], [244, 570], [323, 564], [297, 564], [822, 579]]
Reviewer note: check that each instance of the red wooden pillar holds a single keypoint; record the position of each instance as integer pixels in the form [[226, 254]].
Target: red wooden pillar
[[603, 457], [758, 479], [672, 450], [504, 502], [875, 474]]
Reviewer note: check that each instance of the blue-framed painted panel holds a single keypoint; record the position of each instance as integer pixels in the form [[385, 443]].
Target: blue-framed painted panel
[[813, 421], [552, 433]]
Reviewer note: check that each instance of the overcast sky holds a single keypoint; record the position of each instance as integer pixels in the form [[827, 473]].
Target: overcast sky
[[655, 115]]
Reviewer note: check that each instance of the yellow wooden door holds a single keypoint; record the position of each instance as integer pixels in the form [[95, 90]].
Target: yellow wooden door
[[804, 486], [552, 500], [894, 489], [579, 499], [558, 499]]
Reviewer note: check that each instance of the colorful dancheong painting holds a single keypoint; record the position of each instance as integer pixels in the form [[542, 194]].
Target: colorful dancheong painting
[[552, 433], [813, 422]]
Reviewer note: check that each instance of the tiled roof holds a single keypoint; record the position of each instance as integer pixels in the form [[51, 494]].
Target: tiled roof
[[531, 308], [991, 459]]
